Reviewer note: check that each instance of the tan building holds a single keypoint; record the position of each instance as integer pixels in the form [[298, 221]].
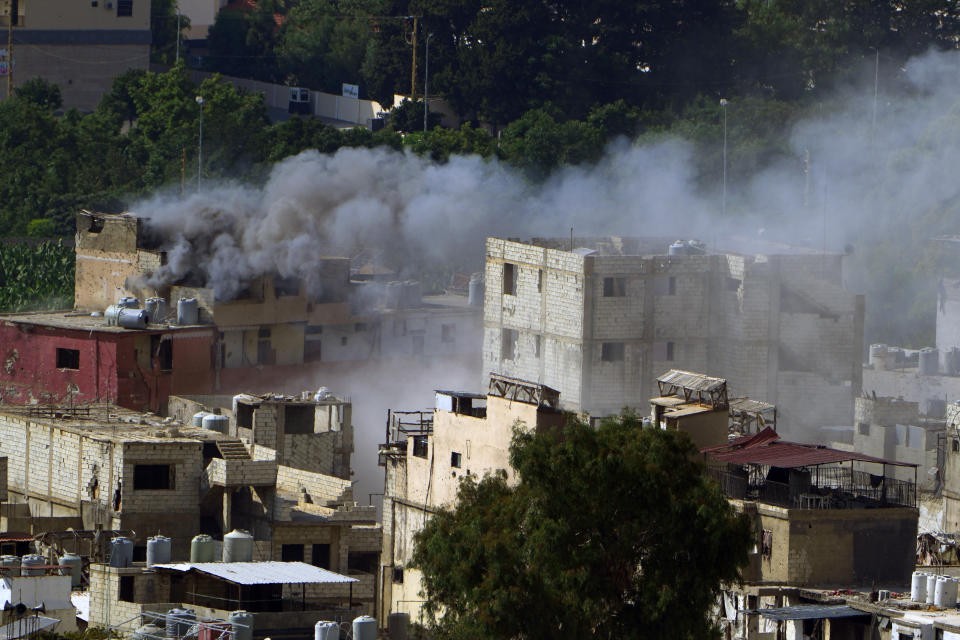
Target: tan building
[[823, 518], [81, 46], [428, 453], [694, 404]]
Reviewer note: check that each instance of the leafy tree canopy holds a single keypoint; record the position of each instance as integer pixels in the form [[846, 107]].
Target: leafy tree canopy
[[609, 532]]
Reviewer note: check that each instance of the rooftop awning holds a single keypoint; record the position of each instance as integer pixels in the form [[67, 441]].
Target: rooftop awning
[[810, 612], [247, 573], [766, 448]]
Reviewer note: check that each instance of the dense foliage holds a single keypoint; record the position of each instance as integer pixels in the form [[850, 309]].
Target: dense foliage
[[36, 276], [548, 558]]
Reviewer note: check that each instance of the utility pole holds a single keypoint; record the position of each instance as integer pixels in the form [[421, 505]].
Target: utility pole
[[413, 66], [178, 33], [426, 80], [200, 147], [11, 17]]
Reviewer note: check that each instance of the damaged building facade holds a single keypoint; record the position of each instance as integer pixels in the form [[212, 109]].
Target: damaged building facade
[[427, 453], [600, 322], [273, 329]]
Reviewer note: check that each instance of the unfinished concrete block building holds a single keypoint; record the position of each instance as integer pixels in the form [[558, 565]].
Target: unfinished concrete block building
[[601, 322]]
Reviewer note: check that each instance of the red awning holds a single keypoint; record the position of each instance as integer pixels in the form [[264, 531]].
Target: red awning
[[766, 448]]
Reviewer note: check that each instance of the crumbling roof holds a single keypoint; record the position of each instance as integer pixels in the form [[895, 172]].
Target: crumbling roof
[[691, 381], [750, 406], [811, 612], [247, 573], [767, 449], [523, 391]]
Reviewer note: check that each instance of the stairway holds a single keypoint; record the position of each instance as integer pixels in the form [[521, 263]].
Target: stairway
[[233, 450]]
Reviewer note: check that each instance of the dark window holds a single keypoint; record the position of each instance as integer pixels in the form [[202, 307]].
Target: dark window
[[96, 224], [455, 459], [245, 415], [265, 353], [420, 446], [263, 332], [863, 428], [162, 351], [359, 326], [124, 8], [956, 445], [669, 352], [298, 418], [447, 332], [611, 351], [509, 279], [508, 345], [140, 553], [313, 329], [343, 341], [312, 351], [733, 284], [398, 575], [126, 589], [536, 346], [614, 287], [320, 556], [286, 286], [362, 561], [68, 358], [540, 281], [291, 553], [152, 477], [672, 286]]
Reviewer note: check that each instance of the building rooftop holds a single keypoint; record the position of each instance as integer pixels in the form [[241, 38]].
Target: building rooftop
[[82, 321], [111, 423], [650, 246]]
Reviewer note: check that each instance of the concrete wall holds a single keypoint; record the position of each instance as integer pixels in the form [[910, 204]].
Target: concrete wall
[[813, 547]]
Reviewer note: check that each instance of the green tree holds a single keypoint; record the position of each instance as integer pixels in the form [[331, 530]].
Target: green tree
[[609, 532], [167, 25], [41, 93]]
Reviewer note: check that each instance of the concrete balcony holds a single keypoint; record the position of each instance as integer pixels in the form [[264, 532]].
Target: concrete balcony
[[241, 473]]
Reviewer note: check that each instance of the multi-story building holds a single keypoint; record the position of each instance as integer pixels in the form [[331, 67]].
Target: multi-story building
[[428, 453], [602, 321], [79, 46]]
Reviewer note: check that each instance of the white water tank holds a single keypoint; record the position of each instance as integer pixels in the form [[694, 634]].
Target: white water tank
[[945, 595], [929, 362], [931, 587], [32, 560], [364, 628], [203, 549], [121, 552], [128, 302], [188, 312], [111, 315], [918, 586], [475, 290], [158, 550], [242, 625], [213, 422], [326, 630], [72, 565], [157, 309], [878, 356], [238, 547]]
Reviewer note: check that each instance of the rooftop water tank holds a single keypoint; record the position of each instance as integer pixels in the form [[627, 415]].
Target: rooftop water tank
[[238, 547], [111, 315], [364, 628], [878, 356], [918, 586], [71, 564], [951, 361], [10, 566], [188, 312], [128, 302], [158, 550], [203, 549], [133, 318], [326, 630], [242, 625], [929, 362], [398, 626], [475, 290], [213, 422], [945, 595], [179, 622], [198, 417], [121, 552], [32, 560], [931, 587], [157, 309]]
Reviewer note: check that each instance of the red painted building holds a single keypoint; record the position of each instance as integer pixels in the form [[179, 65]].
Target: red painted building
[[63, 357]]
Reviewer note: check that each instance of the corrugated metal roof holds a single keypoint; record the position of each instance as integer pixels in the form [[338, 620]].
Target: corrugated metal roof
[[692, 381], [14, 536], [766, 448], [747, 404], [262, 572], [811, 612]]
